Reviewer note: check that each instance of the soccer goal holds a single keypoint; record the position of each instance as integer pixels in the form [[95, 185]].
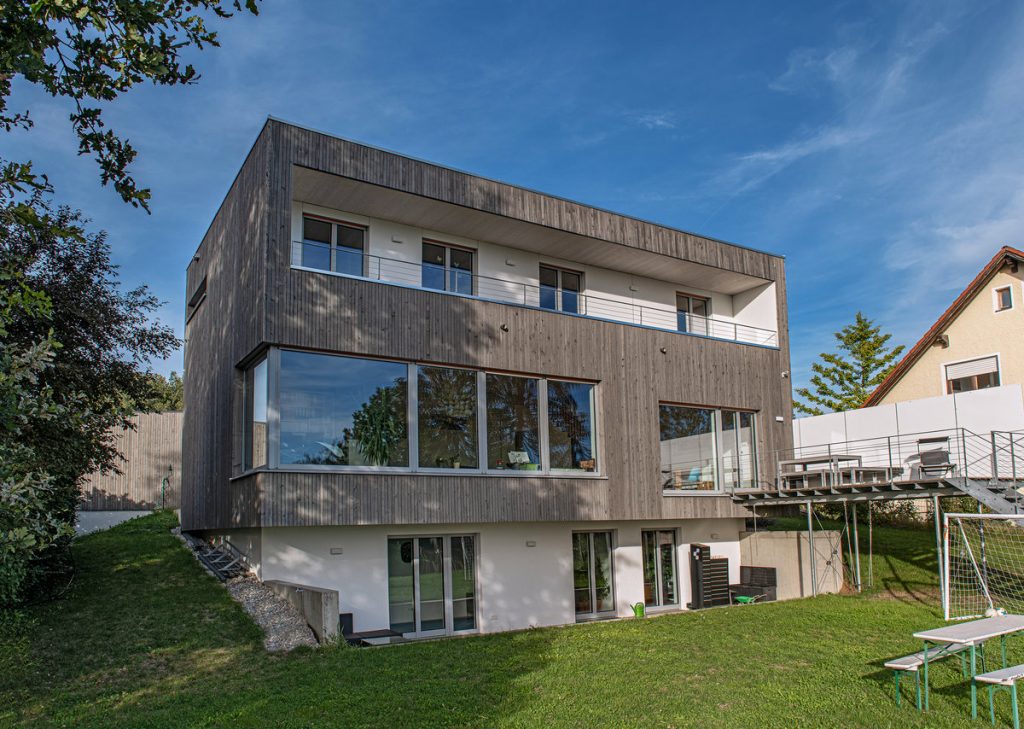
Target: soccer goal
[[983, 565]]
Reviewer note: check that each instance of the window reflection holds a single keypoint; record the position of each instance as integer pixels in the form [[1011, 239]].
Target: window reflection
[[687, 447], [342, 411], [571, 425], [513, 442], [447, 418]]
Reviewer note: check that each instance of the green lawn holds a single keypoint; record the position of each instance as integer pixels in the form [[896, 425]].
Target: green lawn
[[147, 639]]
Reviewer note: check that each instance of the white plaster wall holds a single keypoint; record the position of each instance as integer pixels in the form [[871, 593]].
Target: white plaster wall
[[395, 256], [249, 543], [520, 586]]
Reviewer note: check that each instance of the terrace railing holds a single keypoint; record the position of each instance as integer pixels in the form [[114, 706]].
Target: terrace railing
[[491, 288], [952, 452]]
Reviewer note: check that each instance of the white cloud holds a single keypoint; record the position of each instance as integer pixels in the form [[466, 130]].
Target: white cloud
[[654, 120]]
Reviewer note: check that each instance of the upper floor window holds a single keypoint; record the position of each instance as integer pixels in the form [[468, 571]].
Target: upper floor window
[[975, 374], [447, 268], [1004, 298], [560, 289], [196, 299], [692, 313], [332, 246]]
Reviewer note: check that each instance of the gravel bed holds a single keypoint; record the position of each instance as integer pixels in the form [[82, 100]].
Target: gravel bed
[[283, 626]]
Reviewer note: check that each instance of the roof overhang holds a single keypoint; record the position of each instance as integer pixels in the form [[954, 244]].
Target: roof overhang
[[363, 198]]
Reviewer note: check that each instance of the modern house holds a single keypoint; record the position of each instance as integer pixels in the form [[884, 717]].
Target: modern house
[[465, 405], [974, 345]]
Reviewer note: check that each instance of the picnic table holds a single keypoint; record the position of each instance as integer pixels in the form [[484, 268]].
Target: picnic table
[[970, 634], [798, 469]]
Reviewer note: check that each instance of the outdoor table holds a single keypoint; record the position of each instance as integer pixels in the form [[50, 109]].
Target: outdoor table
[[831, 462], [971, 634]]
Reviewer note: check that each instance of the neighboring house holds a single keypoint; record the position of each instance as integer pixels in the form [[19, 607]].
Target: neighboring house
[[975, 344], [468, 406]]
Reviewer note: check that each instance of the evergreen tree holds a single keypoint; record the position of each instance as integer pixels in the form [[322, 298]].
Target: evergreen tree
[[844, 379]]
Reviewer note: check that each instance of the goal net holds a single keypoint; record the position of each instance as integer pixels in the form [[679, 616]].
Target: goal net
[[983, 565]]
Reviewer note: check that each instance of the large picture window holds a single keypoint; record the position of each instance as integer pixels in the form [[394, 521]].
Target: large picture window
[[513, 434], [571, 426], [447, 418], [703, 449], [343, 411], [311, 410]]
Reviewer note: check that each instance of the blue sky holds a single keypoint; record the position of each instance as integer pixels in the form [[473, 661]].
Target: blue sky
[[878, 145]]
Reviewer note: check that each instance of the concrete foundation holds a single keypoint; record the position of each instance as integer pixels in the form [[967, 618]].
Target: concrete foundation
[[788, 553], [318, 606]]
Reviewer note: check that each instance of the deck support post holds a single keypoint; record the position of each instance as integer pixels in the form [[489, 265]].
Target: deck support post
[[810, 548], [856, 544], [938, 544]]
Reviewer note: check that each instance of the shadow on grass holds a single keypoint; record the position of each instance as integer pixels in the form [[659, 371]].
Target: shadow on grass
[[146, 637]]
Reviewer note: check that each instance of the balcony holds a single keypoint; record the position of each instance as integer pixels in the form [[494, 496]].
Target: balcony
[[458, 282]]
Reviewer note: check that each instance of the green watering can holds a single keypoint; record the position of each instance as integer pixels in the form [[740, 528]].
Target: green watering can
[[638, 610]]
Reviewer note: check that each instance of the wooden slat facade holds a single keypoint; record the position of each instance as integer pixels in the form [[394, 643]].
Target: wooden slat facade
[[256, 299], [150, 452]]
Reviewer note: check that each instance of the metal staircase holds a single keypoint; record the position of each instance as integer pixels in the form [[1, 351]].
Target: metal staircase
[[1000, 497], [220, 557]]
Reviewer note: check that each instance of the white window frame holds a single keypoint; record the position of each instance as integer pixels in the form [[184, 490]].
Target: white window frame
[[995, 298], [942, 369]]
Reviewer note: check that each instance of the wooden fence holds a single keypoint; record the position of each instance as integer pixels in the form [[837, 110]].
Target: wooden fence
[[150, 453]]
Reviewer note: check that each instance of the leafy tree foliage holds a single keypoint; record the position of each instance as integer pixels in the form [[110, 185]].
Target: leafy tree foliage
[[844, 379], [106, 336], [92, 51], [27, 527], [166, 393]]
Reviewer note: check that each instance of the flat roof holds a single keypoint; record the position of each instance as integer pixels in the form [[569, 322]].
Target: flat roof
[[521, 187]]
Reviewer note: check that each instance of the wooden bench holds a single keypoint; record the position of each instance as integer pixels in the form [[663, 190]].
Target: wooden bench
[[912, 664], [1004, 678]]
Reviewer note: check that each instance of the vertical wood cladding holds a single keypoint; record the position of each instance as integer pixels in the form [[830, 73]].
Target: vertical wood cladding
[[150, 451], [261, 300]]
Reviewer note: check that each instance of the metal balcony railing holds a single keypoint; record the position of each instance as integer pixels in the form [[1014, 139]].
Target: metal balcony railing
[[907, 457], [351, 262]]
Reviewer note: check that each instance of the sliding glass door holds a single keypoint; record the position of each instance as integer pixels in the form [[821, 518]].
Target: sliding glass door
[[592, 574], [432, 584], [659, 567]]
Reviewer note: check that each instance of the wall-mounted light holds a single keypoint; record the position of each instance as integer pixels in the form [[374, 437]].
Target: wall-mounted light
[[531, 543], [664, 350], [509, 262], [396, 239], [779, 419], [634, 288], [504, 327], [336, 550], [785, 374]]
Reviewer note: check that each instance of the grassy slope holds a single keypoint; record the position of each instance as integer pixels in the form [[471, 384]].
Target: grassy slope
[[147, 639]]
